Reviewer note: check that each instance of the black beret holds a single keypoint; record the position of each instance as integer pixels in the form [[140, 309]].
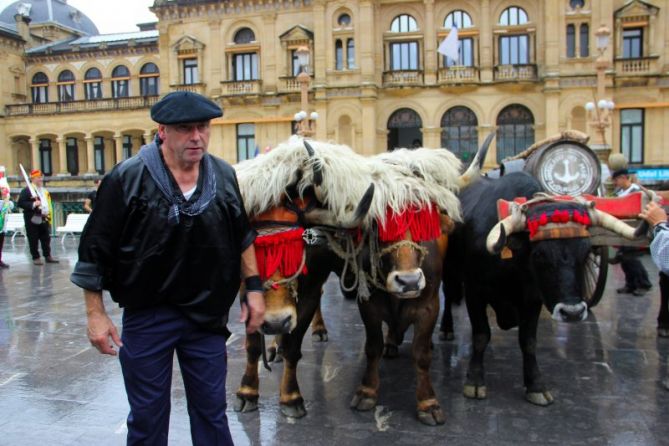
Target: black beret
[[620, 172], [184, 106]]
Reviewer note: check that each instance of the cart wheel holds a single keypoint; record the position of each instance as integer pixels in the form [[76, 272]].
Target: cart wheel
[[596, 269]]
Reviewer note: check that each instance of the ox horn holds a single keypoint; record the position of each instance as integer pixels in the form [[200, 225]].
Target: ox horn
[[608, 221], [318, 170], [326, 218], [473, 172], [510, 225]]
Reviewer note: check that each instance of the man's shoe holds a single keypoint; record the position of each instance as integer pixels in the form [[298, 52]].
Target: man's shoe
[[615, 260], [639, 292], [52, 260], [625, 290], [38, 262], [3, 265]]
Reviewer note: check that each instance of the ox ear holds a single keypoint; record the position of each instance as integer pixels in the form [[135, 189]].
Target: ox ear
[[324, 217], [496, 247], [363, 206], [473, 172], [318, 170]]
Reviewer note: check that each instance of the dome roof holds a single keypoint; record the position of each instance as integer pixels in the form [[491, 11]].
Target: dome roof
[[44, 11]]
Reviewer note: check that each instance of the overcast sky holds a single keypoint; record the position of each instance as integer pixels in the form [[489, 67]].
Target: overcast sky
[[111, 16]]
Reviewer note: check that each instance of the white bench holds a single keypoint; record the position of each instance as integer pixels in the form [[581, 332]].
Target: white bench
[[74, 225], [15, 224]]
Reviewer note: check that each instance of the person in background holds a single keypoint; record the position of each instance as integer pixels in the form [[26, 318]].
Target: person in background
[[6, 206], [170, 239], [636, 276], [89, 202], [35, 201]]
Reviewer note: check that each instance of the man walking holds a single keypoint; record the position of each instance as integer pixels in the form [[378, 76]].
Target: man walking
[[170, 240], [35, 201]]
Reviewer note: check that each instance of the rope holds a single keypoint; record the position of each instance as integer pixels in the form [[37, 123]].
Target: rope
[[269, 283]]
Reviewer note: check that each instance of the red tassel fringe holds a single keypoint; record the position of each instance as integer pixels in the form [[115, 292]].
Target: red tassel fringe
[[423, 224], [558, 216], [282, 251]]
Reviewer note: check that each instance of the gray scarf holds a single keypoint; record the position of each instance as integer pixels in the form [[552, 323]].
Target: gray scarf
[[150, 155]]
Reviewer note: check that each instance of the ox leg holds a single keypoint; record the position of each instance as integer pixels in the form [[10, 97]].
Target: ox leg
[[475, 382], [663, 316], [536, 391], [274, 351], [367, 393], [247, 395], [319, 331], [446, 330], [429, 410]]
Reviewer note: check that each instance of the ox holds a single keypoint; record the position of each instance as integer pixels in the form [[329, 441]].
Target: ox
[[543, 245]]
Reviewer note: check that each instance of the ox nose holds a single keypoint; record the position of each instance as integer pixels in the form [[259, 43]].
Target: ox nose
[[409, 281], [570, 312], [276, 327]]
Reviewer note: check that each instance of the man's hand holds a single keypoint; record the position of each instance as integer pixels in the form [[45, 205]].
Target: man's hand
[[37, 203], [253, 311], [100, 330], [653, 214]]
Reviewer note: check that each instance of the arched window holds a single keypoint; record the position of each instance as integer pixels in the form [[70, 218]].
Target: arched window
[[403, 23], [404, 129], [513, 16], [149, 75], [515, 130], [339, 55], [459, 132], [344, 20], [66, 86], [244, 35], [45, 157], [40, 88], [72, 156], [571, 40], [93, 84], [350, 53], [585, 40], [576, 4], [120, 82], [459, 19]]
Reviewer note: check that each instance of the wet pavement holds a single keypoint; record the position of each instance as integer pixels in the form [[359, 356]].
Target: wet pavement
[[605, 375]]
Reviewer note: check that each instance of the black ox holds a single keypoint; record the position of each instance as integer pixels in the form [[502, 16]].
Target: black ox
[[515, 271]]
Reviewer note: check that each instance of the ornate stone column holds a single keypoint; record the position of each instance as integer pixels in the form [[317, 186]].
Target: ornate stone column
[[62, 156], [34, 151], [90, 155], [118, 143]]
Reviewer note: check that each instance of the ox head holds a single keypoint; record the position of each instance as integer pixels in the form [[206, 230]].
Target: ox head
[[405, 241], [553, 237]]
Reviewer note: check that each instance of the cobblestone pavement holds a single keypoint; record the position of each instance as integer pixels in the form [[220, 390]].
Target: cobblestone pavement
[[605, 374]]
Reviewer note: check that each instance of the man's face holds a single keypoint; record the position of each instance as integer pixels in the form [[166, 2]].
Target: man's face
[[620, 182], [187, 142], [37, 181]]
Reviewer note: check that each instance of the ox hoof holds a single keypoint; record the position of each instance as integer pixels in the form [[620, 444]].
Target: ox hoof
[[293, 410], [319, 336], [390, 351], [245, 404], [432, 417], [540, 398], [363, 402], [475, 392], [446, 335], [274, 355], [663, 332]]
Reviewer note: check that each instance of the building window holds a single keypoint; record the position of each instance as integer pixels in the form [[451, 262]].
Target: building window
[[99, 154], [584, 40], [245, 66], [339, 55], [404, 56], [576, 4], [515, 131], [295, 63], [244, 35], [632, 43], [514, 50], [191, 75], [350, 53], [466, 54], [458, 19], [571, 40], [631, 134], [149, 76], [459, 132], [344, 20], [45, 156], [93, 84], [40, 88], [66, 86], [72, 154], [513, 16], [120, 82], [127, 146], [246, 141], [404, 129], [403, 24]]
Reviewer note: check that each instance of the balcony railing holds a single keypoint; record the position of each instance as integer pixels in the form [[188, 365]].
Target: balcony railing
[[642, 65], [403, 78], [237, 88], [458, 75], [289, 84], [516, 72], [81, 106], [193, 88]]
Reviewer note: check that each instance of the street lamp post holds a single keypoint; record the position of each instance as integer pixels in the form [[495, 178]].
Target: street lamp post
[[306, 122], [601, 109]]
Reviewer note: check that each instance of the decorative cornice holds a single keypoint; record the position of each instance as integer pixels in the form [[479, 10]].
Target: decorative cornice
[[167, 10], [92, 54]]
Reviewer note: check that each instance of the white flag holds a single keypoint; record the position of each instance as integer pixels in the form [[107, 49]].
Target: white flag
[[450, 46]]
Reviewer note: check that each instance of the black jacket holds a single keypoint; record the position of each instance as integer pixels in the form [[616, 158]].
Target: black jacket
[[128, 247]]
